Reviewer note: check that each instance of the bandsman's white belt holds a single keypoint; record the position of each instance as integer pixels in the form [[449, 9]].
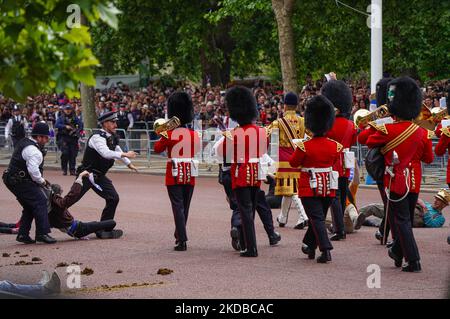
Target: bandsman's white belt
[[193, 165], [317, 170], [333, 175]]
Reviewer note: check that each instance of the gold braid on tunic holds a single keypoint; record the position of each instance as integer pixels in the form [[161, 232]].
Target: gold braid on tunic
[[286, 177]]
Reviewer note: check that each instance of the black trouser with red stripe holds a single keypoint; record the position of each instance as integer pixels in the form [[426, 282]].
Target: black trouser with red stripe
[[180, 197], [246, 201], [316, 208], [338, 205], [382, 191], [400, 219]]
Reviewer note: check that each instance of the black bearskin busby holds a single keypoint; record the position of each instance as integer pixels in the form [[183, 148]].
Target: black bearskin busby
[[382, 90], [319, 115], [179, 104], [340, 95], [241, 104], [404, 98]]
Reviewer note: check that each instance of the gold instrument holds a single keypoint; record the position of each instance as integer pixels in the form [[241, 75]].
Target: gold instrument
[[364, 117], [161, 126], [438, 114]]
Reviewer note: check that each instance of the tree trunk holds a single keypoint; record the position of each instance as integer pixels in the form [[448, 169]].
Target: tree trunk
[[218, 39], [284, 9], [87, 99], [88, 104]]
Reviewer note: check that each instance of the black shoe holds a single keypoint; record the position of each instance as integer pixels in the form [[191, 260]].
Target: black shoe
[[448, 240], [300, 225], [65, 173], [274, 239], [308, 251], [72, 173], [47, 239], [234, 233], [26, 239], [280, 224], [338, 236], [359, 221], [379, 235], [180, 246], [389, 244], [249, 253], [413, 266], [397, 259], [113, 234], [324, 257]]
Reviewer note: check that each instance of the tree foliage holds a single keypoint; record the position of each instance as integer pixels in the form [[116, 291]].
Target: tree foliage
[[39, 52]]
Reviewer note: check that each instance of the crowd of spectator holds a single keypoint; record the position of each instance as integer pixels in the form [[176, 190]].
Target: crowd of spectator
[[149, 103]]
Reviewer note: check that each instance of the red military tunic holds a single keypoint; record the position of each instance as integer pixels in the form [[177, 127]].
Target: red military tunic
[[185, 143], [345, 133], [405, 151], [443, 145], [245, 171], [424, 153], [318, 152]]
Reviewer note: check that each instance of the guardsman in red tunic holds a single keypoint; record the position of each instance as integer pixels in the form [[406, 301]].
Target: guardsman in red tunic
[[443, 145], [424, 153], [181, 144], [244, 148], [381, 98], [318, 182], [344, 132], [290, 127], [399, 141]]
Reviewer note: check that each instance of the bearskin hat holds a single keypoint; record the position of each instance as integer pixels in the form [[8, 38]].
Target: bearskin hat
[[179, 104], [382, 90], [241, 104], [319, 115], [340, 95], [404, 98]]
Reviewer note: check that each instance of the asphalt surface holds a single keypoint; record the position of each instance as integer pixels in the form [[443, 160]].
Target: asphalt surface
[[210, 268]]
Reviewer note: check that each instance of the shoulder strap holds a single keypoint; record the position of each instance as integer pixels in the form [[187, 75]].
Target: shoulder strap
[[290, 132], [400, 138]]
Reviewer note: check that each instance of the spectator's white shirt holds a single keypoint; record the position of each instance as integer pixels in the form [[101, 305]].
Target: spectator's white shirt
[[9, 125], [33, 157], [98, 143]]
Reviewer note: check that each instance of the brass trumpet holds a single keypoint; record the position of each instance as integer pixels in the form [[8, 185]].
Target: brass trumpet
[[438, 114], [364, 117], [161, 126]]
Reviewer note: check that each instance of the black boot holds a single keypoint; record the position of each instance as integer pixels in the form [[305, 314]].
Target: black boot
[[249, 253], [274, 238], [26, 239], [84, 229], [412, 266], [397, 259], [324, 257], [300, 225], [234, 233], [338, 236], [180, 246], [113, 234], [47, 239], [309, 251], [280, 224]]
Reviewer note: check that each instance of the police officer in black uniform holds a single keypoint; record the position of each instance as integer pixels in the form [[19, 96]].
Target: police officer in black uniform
[[125, 120], [102, 150], [69, 127], [23, 178], [16, 126]]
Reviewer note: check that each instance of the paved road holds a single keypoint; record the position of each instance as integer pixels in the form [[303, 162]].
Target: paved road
[[210, 268]]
